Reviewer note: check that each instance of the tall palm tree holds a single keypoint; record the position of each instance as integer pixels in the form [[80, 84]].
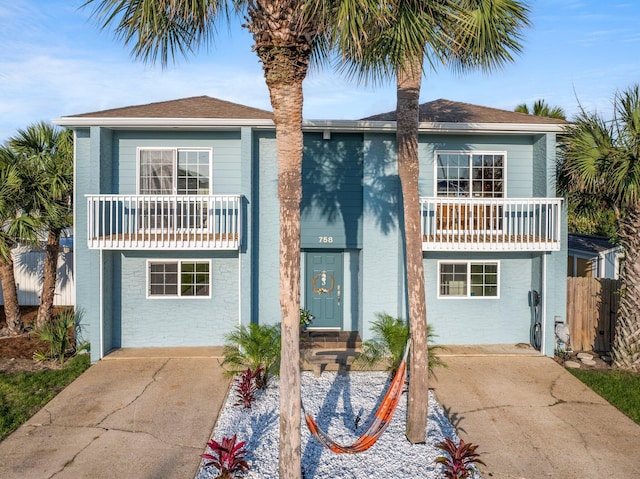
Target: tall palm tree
[[49, 153], [15, 227], [603, 158], [394, 41], [541, 108], [284, 41]]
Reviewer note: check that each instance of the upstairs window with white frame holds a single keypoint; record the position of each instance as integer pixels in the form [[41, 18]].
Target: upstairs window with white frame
[[179, 279], [174, 171], [462, 279], [470, 174]]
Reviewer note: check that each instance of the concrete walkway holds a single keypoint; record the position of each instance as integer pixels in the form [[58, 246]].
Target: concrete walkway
[[532, 419], [137, 414]]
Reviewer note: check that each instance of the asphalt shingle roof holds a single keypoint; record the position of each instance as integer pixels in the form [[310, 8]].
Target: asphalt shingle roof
[[205, 107], [194, 107], [447, 111], [589, 243]]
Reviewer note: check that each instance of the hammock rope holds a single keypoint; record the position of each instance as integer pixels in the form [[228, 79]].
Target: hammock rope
[[380, 421]]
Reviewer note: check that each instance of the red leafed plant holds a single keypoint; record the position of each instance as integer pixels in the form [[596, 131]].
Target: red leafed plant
[[460, 460], [228, 457], [246, 387]]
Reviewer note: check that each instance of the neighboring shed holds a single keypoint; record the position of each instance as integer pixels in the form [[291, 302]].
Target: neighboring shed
[[593, 257], [28, 267]]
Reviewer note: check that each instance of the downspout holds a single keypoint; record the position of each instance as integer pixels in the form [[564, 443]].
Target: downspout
[[543, 304], [240, 236], [100, 307]]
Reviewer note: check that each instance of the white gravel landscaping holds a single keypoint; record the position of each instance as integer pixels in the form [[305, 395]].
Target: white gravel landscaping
[[342, 406]]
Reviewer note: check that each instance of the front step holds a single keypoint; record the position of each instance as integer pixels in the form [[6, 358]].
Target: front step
[[331, 339], [329, 350]]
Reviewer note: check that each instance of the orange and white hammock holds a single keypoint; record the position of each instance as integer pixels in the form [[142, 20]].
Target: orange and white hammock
[[380, 421]]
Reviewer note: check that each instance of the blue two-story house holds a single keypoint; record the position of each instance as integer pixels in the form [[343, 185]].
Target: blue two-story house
[[177, 235]]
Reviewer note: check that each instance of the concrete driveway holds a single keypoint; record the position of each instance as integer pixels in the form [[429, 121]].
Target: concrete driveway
[[137, 414], [532, 419], [147, 414]]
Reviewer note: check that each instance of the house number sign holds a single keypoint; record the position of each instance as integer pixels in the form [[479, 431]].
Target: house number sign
[[325, 239]]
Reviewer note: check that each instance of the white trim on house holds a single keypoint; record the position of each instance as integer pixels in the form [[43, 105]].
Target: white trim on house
[[434, 127], [323, 126], [169, 123]]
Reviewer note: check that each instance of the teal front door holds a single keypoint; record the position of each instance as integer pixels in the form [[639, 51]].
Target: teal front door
[[324, 289]]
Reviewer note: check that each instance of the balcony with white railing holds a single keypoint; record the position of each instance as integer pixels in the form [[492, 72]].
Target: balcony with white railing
[[491, 224], [137, 222]]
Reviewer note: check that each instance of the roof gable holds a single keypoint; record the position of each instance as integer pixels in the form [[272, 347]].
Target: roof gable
[[193, 107], [447, 111]]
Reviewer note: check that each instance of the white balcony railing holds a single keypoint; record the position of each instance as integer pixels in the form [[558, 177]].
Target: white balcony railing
[[491, 224], [138, 222]]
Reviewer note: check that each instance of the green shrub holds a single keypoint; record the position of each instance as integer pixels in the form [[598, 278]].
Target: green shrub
[[59, 334], [253, 346], [390, 339], [305, 318]]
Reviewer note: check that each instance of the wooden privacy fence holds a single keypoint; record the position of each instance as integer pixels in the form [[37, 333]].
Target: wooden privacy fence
[[592, 305]]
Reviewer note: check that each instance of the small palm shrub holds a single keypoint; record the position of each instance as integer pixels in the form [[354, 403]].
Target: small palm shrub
[[460, 459], [390, 339], [228, 457], [59, 334], [254, 346]]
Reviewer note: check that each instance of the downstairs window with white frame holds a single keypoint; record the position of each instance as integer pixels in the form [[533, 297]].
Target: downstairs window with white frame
[[468, 279], [179, 279]]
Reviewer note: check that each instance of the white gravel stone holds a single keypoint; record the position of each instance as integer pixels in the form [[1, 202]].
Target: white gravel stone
[[336, 402]]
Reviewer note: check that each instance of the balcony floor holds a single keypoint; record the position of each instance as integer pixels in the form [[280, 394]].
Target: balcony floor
[[481, 241], [166, 240]]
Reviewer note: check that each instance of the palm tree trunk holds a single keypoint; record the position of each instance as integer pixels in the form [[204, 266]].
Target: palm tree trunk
[[626, 342], [284, 48], [45, 311], [10, 295], [286, 100], [408, 98]]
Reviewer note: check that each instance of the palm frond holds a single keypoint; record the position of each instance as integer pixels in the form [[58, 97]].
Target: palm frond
[[600, 159], [488, 33], [161, 29], [253, 346], [390, 339]]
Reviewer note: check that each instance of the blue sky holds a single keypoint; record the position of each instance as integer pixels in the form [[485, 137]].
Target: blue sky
[[54, 61]]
